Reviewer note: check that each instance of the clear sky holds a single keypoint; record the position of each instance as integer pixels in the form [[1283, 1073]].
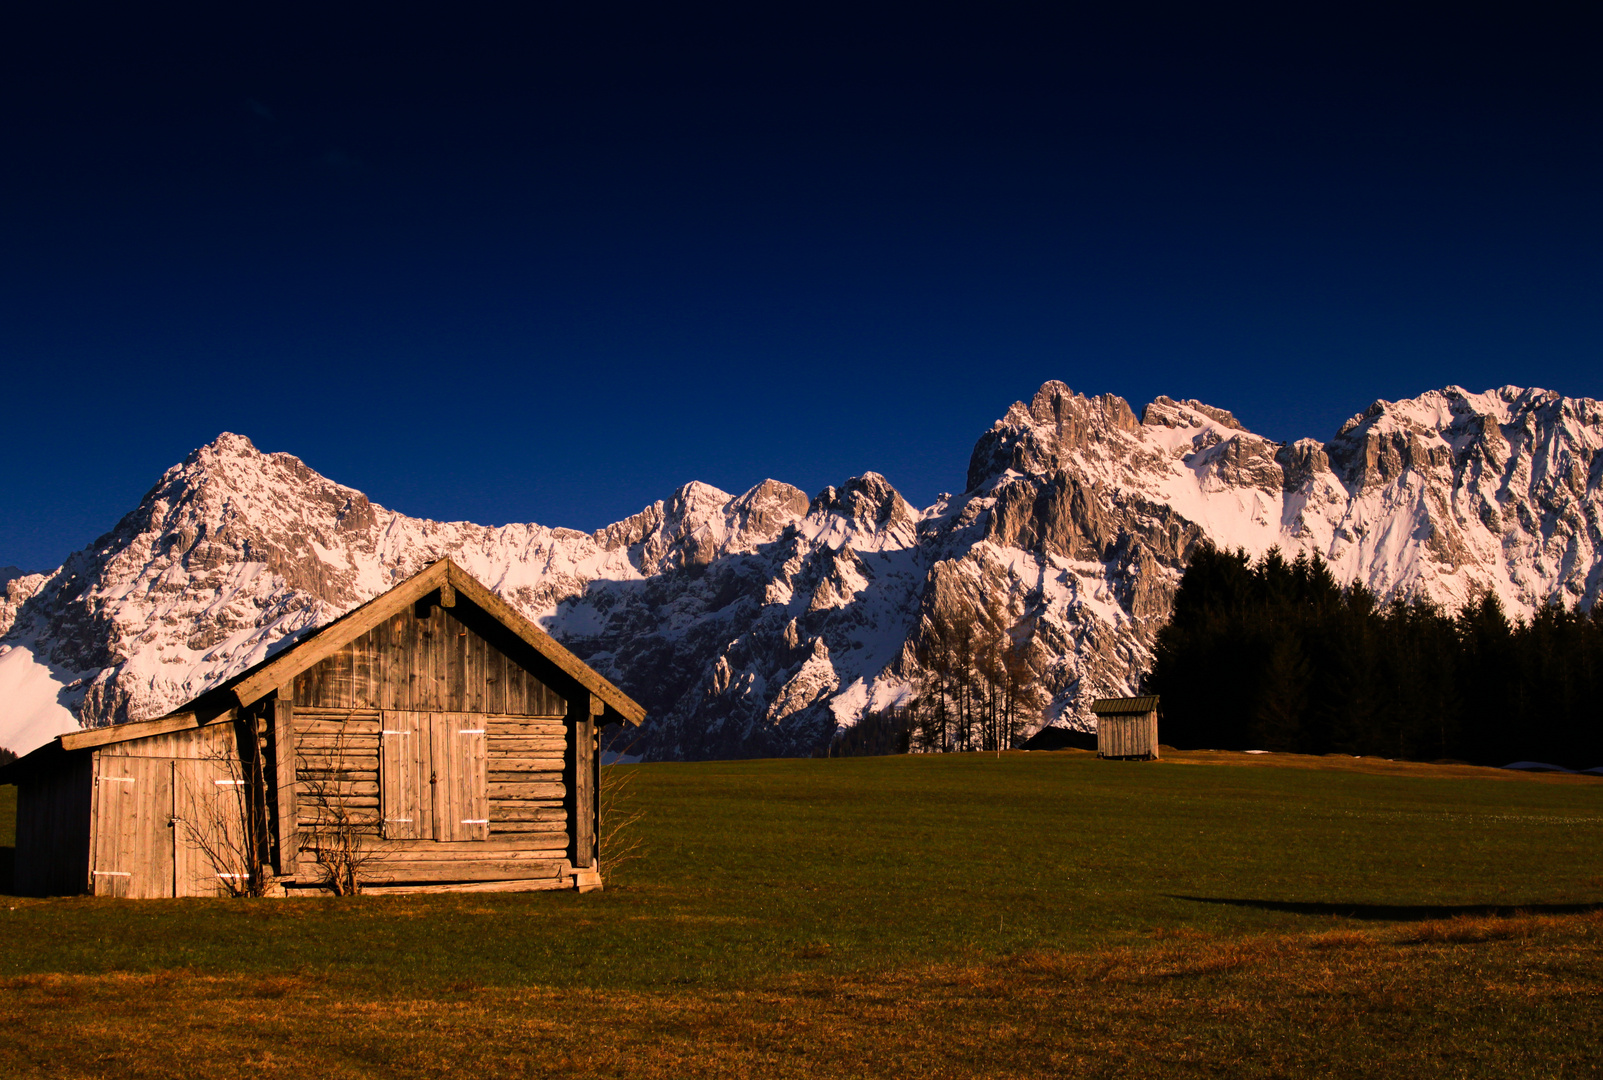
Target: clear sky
[[549, 267]]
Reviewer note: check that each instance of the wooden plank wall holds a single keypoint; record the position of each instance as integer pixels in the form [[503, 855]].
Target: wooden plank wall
[[434, 677], [339, 764], [53, 806], [336, 768], [1128, 736], [580, 775], [528, 796], [432, 664], [145, 789]]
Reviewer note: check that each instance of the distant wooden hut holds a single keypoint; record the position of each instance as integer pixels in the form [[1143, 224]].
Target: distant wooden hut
[[432, 739], [1127, 728]]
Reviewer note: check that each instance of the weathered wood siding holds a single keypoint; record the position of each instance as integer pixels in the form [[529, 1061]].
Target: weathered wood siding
[[53, 805], [425, 664], [1127, 736], [580, 776], [449, 756], [159, 804], [345, 762]]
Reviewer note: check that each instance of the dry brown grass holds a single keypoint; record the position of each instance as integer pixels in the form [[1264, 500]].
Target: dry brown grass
[[1373, 766], [1488, 996]]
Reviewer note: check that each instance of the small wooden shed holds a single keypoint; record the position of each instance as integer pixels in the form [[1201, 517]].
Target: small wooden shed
[[433, 739], [1127, 728]]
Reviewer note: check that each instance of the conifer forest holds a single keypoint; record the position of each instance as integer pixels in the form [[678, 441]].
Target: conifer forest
[[1279, 656]]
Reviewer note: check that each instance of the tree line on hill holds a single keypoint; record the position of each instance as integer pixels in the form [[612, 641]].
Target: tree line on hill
[[979, 688], [1276, 655]]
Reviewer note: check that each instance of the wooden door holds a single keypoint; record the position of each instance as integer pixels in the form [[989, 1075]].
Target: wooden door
[[133, 827], [461, 787], [406, 766], [209, 834], [433, 777]]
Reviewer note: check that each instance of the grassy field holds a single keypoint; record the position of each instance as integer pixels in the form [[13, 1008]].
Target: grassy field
[[953, 916]]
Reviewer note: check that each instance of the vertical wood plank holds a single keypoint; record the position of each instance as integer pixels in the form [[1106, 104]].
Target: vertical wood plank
[[394, 671], [440, 787], [383, 694], [412, 697], [375, 666], [456, 651], [316, 681], [362, 672], [155, 841], [441, 657], [473, 673], [579, 772], [479, 781], [517, 689], [342, 678], [94, 817], [462, 790], [284, 751], [423, 662], [398, 775], [494, 680], [546, 699]]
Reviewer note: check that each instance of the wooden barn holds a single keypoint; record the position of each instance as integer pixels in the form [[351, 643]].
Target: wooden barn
[[1127, 728], [433, 739]]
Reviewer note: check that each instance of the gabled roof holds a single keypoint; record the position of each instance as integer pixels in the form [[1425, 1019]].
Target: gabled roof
[[1124, 706], [448, 578], [253, 684]]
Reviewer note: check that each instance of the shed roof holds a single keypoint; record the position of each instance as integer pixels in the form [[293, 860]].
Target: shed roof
[[1124, 706], [255, 683]]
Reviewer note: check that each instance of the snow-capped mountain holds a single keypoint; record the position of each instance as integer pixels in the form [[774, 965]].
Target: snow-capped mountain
[[756, 624]]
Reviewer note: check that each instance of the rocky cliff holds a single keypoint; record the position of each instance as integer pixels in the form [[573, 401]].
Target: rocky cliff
[[756, 624]]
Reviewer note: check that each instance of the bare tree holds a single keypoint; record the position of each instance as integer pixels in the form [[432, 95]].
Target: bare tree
[[224, 811], [341, 844], [981, 677]]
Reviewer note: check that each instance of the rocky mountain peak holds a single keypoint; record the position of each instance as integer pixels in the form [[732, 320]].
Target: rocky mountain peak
[[1057, 426], [1189, 413], [866, 512], [758, 623]]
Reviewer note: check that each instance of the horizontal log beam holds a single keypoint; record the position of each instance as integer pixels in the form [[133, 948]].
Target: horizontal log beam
[[526, 791], [446, 870], [523, 885]]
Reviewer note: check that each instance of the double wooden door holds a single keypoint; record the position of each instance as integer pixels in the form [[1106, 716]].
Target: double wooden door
[[167, 827], [433, 778]]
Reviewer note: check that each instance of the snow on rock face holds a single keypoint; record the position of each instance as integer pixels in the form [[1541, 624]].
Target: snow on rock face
[[756, 624]]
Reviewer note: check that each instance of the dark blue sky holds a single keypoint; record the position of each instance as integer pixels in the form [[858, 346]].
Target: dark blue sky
[[549, 267]]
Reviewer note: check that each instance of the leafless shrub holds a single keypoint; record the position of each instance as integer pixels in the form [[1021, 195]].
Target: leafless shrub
[[339, 842], [618, 839], [224, 813]]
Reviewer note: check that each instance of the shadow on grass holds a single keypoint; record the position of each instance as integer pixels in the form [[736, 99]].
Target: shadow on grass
[[8, 863], [1396, 912]]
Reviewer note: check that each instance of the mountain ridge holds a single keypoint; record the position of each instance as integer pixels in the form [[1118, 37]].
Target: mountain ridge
[[757, 623]]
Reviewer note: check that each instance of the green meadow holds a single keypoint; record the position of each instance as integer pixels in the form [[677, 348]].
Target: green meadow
[[765, 882]]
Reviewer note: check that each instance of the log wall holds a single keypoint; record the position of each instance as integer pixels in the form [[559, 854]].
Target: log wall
[[341, 770]]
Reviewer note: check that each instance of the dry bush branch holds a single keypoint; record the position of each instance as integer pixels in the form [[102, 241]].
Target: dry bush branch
[[340, 844], [226, 819], [618, 839]]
